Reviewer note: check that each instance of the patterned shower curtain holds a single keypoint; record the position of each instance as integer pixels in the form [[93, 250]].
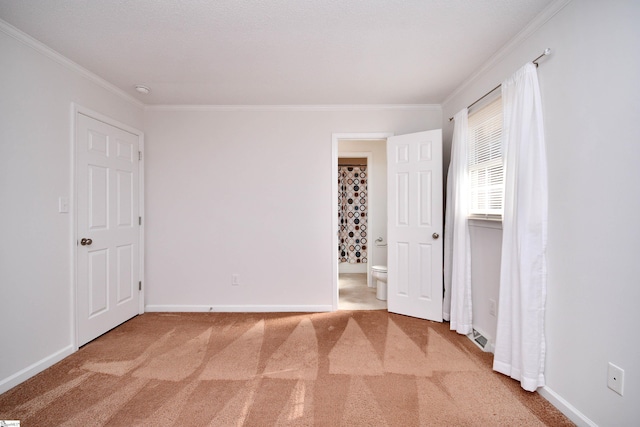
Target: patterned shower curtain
[[352, 214]]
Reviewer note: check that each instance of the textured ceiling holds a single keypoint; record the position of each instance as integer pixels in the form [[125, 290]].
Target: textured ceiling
[[277, 52]]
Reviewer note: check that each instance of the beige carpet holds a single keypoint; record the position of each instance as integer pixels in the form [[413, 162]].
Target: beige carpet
[[349, 368]]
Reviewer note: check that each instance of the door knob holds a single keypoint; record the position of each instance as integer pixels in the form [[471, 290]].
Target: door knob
[[435, 235], [86, 242]]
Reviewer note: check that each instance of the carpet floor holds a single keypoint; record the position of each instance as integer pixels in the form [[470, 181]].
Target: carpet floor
[[351, 368]]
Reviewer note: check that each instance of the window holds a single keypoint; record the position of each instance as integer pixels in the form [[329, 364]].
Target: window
[[485, 161]]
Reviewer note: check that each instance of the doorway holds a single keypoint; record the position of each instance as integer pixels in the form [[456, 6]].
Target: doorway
[[414, 196], [352, 282]]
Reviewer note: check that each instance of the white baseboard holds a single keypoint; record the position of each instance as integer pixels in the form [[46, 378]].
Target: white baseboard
[[238, 308], [566, 408], [10, 382]]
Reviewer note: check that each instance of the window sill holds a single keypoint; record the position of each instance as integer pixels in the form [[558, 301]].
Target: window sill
[[494, 223]]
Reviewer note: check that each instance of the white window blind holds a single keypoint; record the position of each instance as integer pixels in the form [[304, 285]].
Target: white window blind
[[485, 161]]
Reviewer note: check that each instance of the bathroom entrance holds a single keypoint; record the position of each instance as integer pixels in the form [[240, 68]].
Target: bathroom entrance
[[362, 219], [410, 270]]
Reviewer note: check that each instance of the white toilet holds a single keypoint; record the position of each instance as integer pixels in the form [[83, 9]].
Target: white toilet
[[379, 275]]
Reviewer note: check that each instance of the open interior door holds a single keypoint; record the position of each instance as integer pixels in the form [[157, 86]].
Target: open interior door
[[415, 224]]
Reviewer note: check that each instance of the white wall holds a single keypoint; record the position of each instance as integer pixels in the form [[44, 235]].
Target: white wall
[[486, 242], [35, 169], [248, 192], [377, 185], [591, 105]]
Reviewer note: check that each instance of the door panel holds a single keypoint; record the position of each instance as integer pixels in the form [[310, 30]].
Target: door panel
[[107, 176], [125, 273], [425, 198], [98, 281], [415, 224], [425, 259], [402, 205], [402, 268], [125, 199], [98, 203]]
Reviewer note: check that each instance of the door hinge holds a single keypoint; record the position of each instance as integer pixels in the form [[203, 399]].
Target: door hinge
[[139, 155], [140, 285], [139, 220]]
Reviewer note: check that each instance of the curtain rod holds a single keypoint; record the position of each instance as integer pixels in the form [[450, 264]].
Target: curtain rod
[[350, 165], [546, 52]]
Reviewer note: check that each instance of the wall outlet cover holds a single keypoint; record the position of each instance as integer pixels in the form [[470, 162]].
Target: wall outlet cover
[[615, 378]]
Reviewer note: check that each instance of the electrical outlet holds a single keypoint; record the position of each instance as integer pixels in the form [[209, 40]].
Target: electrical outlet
[[235, 279], [492, 307], [615, 378]]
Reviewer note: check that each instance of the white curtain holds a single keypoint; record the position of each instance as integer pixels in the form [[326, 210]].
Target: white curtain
[[457, 251], [520, 341]]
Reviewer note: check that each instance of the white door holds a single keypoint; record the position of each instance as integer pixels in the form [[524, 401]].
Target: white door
[[108, 231], [414, 186]]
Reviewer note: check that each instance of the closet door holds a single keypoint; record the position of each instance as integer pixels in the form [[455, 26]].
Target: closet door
[[108, 228]]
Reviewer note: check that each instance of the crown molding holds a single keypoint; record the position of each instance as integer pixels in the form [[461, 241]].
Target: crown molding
[[299, 108], [45, 50], [542, 18]]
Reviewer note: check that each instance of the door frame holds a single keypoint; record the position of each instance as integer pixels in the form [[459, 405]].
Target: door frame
[[335, 138], [77, 109]]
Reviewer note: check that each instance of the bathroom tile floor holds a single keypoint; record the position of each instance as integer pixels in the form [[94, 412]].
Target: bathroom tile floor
[[356, 295]]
